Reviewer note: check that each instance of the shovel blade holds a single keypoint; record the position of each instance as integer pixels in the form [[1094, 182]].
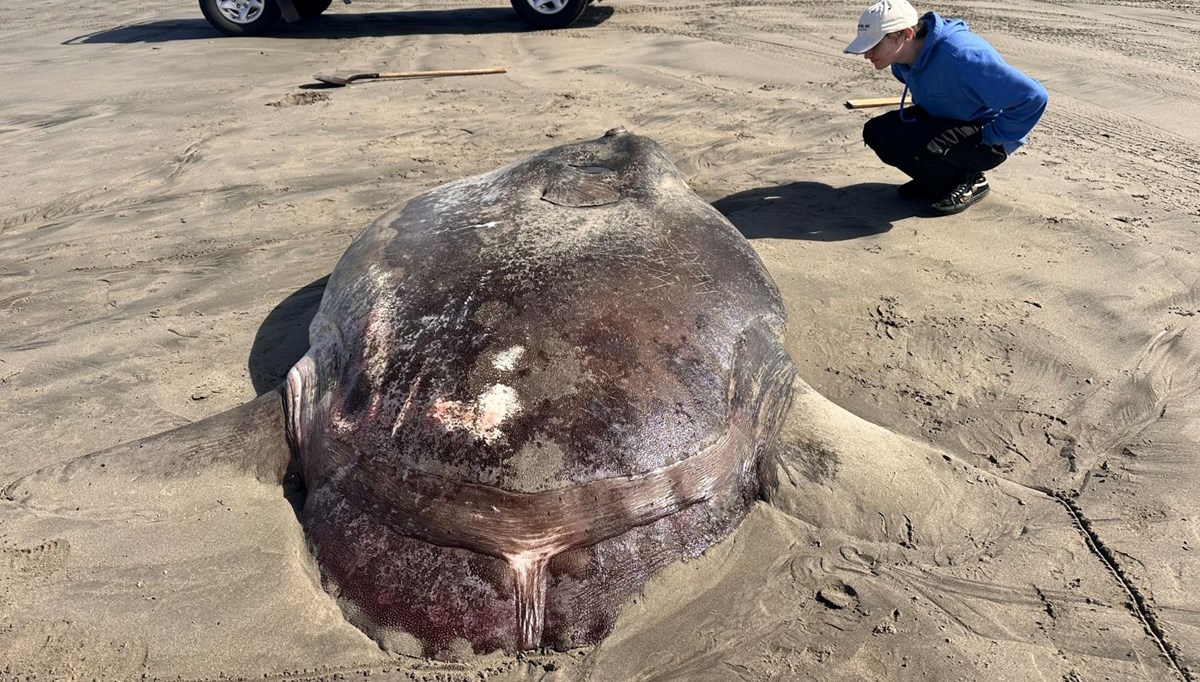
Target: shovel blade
[[337, 81]]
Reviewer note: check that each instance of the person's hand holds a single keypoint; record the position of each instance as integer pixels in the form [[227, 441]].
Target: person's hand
[[959, 138]]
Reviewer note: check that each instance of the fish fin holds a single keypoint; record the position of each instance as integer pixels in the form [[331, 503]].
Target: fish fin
[[763, 373], [581, 188], [249, 439], [837, 471]]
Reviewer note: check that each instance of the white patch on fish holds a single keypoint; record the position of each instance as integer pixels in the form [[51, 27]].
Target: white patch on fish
[[481, 418], [506, 360]]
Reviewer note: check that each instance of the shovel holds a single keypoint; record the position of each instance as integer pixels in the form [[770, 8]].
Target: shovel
[[340, 81]]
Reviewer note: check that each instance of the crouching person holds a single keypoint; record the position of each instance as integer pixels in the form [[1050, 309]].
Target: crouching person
[[970, 109]]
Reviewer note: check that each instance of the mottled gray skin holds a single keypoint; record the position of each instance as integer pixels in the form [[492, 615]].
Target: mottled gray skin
[[527, 392]]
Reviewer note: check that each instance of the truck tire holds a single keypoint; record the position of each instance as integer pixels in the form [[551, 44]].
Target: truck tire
[[311, 8], [543, 14], [241, 17]]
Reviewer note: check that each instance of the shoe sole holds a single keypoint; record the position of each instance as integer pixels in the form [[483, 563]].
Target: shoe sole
[[960, 207]]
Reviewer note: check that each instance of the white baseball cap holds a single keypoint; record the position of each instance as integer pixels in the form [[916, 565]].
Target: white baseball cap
[[879, 20]]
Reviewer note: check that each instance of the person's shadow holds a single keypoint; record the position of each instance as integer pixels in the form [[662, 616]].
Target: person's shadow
[[814, 211], [330, 25]]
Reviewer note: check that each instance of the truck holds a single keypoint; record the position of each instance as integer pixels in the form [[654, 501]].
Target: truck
[[258, 17]]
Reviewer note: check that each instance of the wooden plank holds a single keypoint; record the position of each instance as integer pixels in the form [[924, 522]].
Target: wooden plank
[[872, 102]]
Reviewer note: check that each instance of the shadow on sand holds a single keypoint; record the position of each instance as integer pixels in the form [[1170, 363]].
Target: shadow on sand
[[817, 212], [282, 338], [333, 25]]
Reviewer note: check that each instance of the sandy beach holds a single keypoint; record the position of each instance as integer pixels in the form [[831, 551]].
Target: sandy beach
[[1020, 499]]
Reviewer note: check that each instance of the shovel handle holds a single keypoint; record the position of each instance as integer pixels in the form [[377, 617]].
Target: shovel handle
[[871, 102], [435, 74]]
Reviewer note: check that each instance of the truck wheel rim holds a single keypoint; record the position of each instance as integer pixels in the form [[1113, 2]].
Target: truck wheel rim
[[547, 6], [241, 11]]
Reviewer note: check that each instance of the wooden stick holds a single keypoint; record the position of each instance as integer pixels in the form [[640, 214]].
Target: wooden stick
[[346, 80], [437, 74], [872, 102]]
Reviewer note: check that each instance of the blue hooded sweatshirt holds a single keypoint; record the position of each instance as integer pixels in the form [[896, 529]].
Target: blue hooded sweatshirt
[[959, 75]]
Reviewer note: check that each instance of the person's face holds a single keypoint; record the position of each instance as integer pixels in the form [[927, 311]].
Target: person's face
[[887, 51]]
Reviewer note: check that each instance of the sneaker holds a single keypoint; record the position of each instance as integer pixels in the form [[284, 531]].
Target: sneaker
[[961, 197], [915, 189]]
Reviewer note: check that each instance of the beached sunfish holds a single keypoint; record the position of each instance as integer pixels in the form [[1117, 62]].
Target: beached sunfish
[[527, 392]]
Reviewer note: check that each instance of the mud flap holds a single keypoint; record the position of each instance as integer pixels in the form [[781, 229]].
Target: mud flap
[[288, 9]]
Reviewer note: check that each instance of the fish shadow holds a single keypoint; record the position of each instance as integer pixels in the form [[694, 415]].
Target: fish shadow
[[475, 21], [815, 211], [282, 338]]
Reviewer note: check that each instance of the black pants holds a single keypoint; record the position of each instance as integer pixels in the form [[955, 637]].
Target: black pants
[[937, 152]]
